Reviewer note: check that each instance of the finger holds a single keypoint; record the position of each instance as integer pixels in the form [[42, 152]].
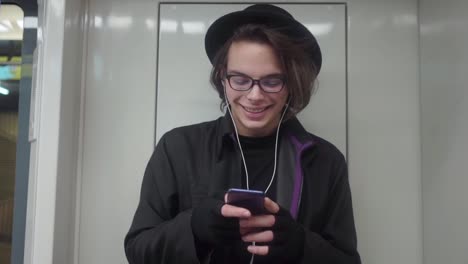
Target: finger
[[258, 250], [245, 231], [258, 221], [248, 230], [233, 211], [264, 236], [271, 206]]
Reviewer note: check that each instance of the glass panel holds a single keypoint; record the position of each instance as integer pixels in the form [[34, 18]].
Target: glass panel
[[182, 29], [11, 37]]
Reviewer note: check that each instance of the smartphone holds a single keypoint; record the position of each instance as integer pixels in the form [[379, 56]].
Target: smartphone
[[251, 200]]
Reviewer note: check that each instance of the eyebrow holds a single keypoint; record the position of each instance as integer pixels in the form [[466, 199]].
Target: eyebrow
[[265, 76]]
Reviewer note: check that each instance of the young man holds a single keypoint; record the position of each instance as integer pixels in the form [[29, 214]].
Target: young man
[[264, 68]]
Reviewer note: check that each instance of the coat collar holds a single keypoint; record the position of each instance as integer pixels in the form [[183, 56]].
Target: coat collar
[[226, 135], [225, 131]]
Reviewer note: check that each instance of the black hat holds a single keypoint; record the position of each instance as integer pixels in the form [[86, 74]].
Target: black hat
[[269, 15]]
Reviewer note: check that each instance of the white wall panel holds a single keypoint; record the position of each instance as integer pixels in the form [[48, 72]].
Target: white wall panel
[[384, 139], [185, 95], [444, 97], [118, 132], [64, 227]]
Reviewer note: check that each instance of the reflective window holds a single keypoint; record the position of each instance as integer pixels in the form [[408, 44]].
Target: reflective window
[[11, 36]]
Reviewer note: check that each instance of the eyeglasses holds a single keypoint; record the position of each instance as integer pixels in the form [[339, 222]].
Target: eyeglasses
[[271, 84]]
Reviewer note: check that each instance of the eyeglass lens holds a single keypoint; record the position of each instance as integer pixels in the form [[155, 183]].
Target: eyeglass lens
[[243, 83]]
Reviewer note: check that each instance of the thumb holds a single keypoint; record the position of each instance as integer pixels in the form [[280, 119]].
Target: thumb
[[271, 206]]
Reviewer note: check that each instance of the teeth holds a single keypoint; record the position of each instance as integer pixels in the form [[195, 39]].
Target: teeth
[[255, 110]]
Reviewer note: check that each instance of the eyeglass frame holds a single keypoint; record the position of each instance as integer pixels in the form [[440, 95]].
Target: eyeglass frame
[[255, 81]]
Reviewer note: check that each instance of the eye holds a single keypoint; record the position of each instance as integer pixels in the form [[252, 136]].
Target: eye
[[240, 80], [271, 82]]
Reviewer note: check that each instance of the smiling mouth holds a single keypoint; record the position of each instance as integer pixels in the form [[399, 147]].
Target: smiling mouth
[[255, 110]]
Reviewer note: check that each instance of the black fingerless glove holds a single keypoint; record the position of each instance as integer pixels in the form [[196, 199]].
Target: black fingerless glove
[[288, 239], [210, 227]]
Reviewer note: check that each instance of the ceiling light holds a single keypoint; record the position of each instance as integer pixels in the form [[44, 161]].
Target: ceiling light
[[150, 24], [4, 91], [119, 22], [168, 25], [98, 21], [30, 22], [3, 28], [7, 24], [193, 27], [320, 28]]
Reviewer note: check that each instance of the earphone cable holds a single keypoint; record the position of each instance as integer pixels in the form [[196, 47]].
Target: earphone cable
[[242, 153]]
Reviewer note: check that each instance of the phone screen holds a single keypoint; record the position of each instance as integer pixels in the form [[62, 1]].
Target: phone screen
[[251, 200]]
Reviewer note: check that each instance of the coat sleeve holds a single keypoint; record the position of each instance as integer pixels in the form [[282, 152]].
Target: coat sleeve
[[160, 233], [336, 243]]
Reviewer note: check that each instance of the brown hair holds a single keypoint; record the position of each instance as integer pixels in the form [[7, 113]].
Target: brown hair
[[300, 71]]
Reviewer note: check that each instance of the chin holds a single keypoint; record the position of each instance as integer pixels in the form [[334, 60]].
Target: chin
[[257, 128]]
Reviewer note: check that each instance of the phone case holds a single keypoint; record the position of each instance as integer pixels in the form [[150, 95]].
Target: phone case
[[251, 200]]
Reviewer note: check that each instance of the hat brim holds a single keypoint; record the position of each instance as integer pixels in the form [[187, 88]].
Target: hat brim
[[224, 27]]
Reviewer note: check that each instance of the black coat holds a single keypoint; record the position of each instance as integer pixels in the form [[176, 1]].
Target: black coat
[[193, 162]]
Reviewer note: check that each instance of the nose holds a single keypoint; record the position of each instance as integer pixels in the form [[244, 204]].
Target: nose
[[255, 93]]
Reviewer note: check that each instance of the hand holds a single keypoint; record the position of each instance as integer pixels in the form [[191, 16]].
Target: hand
[[260, 225], [282, 237], [233, 211], [214, 222]]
